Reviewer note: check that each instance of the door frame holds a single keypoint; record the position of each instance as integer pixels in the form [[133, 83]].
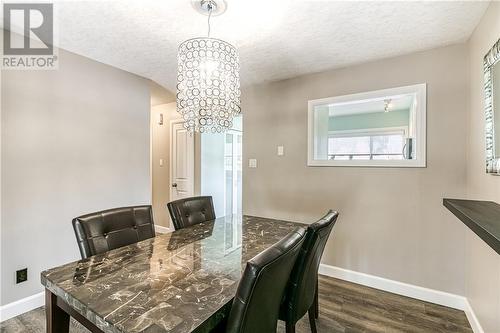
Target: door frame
[[171, 162], [234, 199]]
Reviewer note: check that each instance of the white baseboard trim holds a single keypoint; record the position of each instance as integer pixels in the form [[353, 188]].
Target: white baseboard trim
[[473, 321], [405, 289], [162, 230], [21, 306], [396, 287]]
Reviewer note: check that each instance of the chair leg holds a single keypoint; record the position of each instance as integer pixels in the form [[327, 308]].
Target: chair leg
[[316, 301], [312, 320], [290, 327]]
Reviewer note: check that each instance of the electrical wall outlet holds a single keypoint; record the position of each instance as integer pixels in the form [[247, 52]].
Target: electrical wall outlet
[[21, 275]]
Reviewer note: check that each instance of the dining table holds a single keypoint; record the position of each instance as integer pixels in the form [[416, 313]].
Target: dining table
[[180, 282]]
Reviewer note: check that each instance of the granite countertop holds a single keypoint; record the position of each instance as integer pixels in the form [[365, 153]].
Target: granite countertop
[[482, 217], [178, 282]]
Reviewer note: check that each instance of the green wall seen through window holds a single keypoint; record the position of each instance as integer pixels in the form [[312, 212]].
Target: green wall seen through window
[[369, 120]]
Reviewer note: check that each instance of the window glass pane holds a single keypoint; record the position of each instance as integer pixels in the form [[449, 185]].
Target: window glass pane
[[228, 146], [229, 192], [366, 146], [349, 145], [388, 144]]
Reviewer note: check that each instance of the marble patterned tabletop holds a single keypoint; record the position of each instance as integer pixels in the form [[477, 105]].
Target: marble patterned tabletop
[[178, 282]]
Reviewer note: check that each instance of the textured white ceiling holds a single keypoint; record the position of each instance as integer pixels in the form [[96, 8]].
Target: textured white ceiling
[[276, 39]]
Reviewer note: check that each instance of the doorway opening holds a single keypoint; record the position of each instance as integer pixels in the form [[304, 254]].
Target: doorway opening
[[221, 169]]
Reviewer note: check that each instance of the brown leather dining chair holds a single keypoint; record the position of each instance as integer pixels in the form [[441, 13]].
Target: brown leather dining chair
[[113, 228], [301, 295], [190, 211], [256, 305]]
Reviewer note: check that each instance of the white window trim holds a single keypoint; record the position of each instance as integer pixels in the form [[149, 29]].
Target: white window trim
[[419, 161]]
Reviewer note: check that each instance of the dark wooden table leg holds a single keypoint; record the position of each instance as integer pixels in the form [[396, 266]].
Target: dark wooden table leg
[[57, 319]]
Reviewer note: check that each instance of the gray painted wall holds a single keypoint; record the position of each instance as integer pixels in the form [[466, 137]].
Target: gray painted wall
[[392, 223], [74, 140], [482, 264]]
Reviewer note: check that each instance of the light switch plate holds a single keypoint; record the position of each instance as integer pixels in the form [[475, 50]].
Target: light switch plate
[[281, 150], [252, 163], [161, 162]]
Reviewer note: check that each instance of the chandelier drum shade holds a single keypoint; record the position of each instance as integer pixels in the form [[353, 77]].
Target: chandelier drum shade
[[208, 83]]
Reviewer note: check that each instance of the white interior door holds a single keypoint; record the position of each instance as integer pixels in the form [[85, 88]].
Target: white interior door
[[181, 161]]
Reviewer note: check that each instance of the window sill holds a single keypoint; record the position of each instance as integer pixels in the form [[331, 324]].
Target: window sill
[[368, 163]]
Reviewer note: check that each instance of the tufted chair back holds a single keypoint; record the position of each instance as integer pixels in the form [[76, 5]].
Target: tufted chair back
[[257, 301], [109, 229], [189, 211], [302, 286]]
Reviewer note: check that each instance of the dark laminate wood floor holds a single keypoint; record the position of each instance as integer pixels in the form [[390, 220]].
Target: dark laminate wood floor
[[344, 307]]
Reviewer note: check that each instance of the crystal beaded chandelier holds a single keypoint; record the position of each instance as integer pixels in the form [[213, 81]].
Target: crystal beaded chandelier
[[208, 78]]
